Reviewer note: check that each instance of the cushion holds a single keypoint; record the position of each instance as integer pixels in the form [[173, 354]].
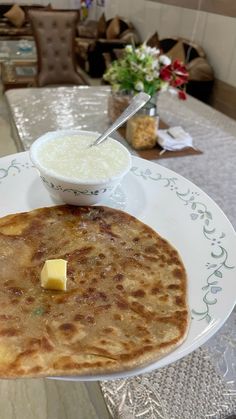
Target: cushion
[[113, 30], [88, 29], [102, 26], [153, 41], [177, 52], [200, 70], [191, 49], [199, 50], [130, 36], [16, 15]]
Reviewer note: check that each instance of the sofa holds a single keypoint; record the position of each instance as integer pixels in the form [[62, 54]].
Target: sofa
[[14, 22], [95, 39]]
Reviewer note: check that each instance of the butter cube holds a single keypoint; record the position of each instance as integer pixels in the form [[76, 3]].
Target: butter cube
[[53, 274]]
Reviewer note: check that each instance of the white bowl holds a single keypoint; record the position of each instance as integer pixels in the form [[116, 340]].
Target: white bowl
[[75, 191]]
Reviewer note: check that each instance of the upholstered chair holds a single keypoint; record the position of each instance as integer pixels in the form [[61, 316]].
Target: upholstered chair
[[54, 33]]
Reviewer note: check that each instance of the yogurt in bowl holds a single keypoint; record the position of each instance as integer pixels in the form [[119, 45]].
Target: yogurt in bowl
[[76, 173]]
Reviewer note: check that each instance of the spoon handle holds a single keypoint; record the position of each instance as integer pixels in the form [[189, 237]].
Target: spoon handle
[[137, 103]]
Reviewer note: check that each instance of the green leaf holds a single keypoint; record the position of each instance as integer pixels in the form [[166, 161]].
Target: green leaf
[[218, 274], [208, 318]]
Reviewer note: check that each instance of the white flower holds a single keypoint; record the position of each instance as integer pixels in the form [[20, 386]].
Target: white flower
[[129, 48], [155, 64], [113, 77], [156, 74], [141, 55], [149, 77], [163, 59], [139, 86], [153, 51], [135, 66], [149, 50]]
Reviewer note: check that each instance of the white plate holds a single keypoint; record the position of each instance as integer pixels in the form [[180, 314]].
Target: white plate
[[176, 209]]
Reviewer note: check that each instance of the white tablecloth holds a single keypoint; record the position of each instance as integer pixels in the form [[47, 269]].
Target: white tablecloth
[[191, 388]]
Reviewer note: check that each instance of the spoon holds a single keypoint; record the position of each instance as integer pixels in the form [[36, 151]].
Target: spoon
[[136, 103]]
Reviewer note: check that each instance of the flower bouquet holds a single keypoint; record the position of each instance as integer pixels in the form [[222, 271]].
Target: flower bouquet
[[142, 69], [146, 69]]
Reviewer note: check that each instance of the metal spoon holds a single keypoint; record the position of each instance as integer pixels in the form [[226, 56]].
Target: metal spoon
[[137, 103]]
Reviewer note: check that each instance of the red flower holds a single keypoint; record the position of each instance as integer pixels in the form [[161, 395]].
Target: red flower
[[176, 75], [178, 81], [182, 95], [178, 65], [166, 73]]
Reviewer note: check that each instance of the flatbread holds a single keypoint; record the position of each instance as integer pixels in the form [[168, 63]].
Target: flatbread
[[125, 304]]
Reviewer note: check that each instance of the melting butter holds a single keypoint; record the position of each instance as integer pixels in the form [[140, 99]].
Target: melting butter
[[53, 274]]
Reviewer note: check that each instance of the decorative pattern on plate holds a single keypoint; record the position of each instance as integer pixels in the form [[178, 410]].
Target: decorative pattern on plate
[[76, 192], [116, 200], [189, 389], [199, 212], [14, 168]]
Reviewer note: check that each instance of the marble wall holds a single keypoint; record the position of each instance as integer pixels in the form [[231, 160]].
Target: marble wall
[[215, 33]]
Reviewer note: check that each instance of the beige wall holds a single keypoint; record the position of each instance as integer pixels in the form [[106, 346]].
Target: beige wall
[[215, 33]]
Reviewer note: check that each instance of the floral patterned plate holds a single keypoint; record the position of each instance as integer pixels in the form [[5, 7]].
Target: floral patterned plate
[[176, 209]]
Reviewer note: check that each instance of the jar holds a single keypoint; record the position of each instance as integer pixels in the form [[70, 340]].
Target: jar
[[141, 129], [117, 103]]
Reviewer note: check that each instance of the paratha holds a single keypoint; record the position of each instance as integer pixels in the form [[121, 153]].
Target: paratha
[[125, 305]]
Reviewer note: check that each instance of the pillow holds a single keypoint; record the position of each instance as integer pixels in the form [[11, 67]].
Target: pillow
[[199, 51], [153, 41], [130, 36], [16, 15], [88, 29], [177, 52], [113, 30], [102, 26], [200, 70]]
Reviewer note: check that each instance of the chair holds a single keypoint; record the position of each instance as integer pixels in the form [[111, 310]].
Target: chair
[[54, 33]]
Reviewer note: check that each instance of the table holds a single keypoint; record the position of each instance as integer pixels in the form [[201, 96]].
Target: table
[[18, 50], [203, 384], [18, 63], [19, 74]]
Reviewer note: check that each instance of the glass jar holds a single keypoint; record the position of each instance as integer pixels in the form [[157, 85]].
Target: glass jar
[[117, 102], [141, 129]]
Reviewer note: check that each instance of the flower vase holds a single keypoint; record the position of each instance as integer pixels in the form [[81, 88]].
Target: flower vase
[[117, 102]]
